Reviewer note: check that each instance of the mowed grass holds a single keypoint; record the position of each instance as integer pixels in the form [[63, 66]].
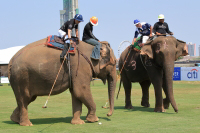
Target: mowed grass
[[57, 117]]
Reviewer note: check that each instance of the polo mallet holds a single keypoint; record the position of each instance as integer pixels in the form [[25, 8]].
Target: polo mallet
[[105, 105], [121, 71], [70, 82], [45, 105], [125, 60], [119, 87], [163, 34]]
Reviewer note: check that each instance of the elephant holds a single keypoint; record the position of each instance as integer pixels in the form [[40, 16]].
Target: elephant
[[153, 64], [33, 69]]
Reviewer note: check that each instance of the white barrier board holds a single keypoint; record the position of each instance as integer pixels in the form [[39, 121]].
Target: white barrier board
[[4, 80]]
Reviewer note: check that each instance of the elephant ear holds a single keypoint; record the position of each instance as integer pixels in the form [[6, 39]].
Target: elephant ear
[[107, 56], [181, 49], [147, 49], [105, 42]]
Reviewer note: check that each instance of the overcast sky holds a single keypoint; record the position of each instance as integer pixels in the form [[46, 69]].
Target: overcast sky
[[25, 21]]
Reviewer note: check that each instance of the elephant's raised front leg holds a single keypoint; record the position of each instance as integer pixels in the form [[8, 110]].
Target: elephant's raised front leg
[[127, 88], [145, 93], [82, 93]]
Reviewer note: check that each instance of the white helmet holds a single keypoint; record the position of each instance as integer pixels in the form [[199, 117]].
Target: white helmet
[[161, 16]]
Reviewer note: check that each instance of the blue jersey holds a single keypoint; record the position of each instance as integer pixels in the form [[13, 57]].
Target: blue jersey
[[144, 30]]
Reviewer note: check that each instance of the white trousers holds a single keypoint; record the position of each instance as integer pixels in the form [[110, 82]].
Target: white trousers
[[61, 33], [144, 39]]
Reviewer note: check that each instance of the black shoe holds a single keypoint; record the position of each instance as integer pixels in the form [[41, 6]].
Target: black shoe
[[62, 57], [94, 58]]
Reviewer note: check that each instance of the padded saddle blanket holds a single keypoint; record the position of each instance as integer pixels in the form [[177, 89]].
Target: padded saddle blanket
[[55, 42]]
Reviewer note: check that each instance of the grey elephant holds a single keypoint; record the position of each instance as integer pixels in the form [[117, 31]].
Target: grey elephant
[[33, 69], [154, 64]]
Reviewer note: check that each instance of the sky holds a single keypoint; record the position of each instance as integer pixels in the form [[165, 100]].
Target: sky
[[24, 21]]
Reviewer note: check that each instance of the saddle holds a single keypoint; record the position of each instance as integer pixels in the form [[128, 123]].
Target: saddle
[[57, 42]]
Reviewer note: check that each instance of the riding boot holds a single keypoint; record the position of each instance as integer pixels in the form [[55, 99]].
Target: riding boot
[[65, 49]]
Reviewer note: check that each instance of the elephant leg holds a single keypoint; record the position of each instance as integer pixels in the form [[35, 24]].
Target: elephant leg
[[159, 99], [127, 88], [145, 93], [82, 92], [156, 79], [16, 113], [89, 103], [23, 104], [77, 110], [20, 114], [166, 101]]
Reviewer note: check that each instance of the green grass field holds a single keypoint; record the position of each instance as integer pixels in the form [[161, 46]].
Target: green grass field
[[57, 117]]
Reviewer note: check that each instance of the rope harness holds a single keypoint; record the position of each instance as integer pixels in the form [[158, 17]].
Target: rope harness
[[86, 58]]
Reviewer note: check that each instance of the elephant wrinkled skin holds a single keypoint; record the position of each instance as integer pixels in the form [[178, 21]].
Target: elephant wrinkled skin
[[33, 69], [155, 64]]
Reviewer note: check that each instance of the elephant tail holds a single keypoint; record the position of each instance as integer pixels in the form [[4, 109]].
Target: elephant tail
[[9, 69], [119, 87]]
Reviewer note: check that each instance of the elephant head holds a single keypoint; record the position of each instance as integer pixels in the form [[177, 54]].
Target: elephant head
[[161, 44], [108, 72], [163, 51]]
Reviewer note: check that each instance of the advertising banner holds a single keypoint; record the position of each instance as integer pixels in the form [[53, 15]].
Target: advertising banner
[[190, 73], [177, 74]]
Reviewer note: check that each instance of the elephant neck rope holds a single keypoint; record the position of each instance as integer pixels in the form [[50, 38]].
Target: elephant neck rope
[[86, 58], [142, 62], [159, 67]]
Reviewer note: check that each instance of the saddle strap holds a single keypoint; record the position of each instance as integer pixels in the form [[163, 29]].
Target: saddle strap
[[86, 58]]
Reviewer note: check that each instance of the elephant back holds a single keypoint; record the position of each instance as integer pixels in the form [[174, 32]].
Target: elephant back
[[34, 57]]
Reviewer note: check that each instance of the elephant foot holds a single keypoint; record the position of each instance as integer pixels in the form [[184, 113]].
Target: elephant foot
[[110, 113], [166, 103], [15, 116], [26, 123], [92, 118], [77, 121], [129, 106], [145, 104], [159, 109]]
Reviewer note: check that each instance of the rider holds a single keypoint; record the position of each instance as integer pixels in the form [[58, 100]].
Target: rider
[[65, 31], [143, 28], [161, 28], [88, 37]]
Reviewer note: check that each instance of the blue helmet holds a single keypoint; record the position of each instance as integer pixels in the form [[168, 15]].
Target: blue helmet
[[78, 17], [136, 22]]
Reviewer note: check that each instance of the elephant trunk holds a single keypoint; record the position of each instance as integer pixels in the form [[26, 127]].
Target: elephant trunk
[[112, 78], [168, 70]]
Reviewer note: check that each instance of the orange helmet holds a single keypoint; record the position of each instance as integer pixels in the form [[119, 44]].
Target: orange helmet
[[94, 21]]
